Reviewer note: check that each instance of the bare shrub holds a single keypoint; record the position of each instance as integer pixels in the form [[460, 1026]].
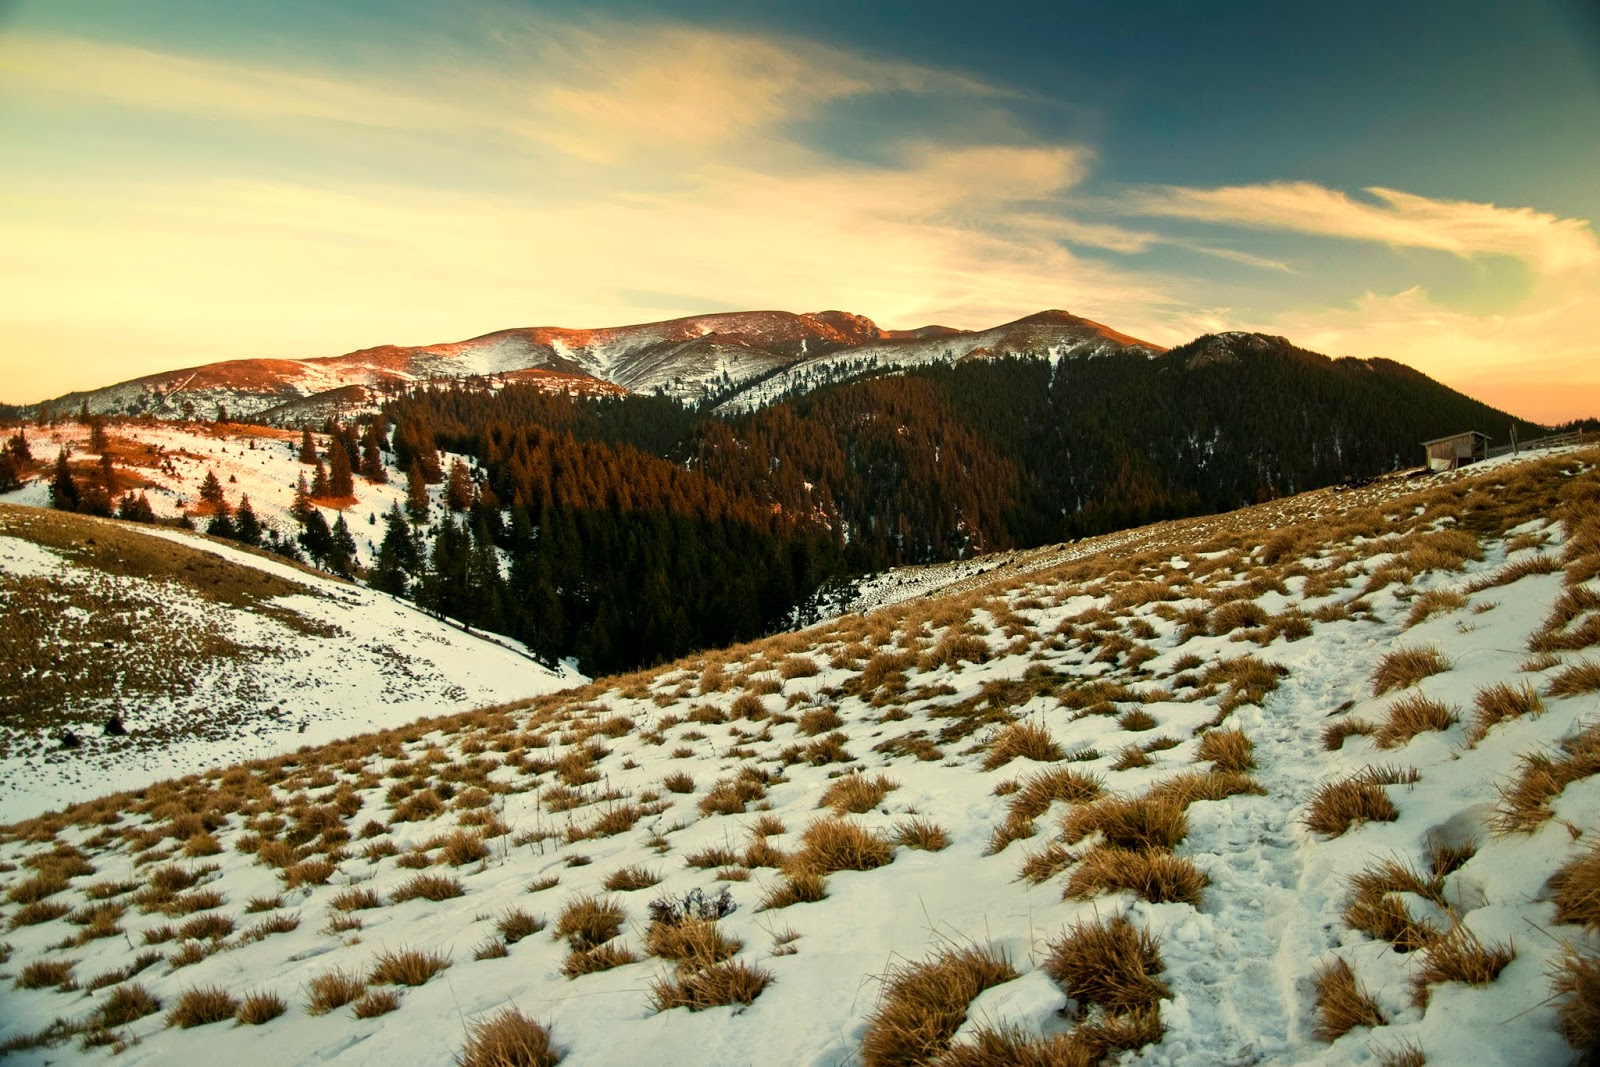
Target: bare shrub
[[1406, 667], [1411, 715], [925, 1003]]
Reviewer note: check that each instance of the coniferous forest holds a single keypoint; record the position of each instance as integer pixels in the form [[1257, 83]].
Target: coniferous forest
[[628, 530]]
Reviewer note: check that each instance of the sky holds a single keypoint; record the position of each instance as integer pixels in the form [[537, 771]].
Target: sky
[[185, 181]]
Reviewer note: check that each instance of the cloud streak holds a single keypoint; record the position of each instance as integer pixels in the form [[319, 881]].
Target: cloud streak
[[1551, 244]]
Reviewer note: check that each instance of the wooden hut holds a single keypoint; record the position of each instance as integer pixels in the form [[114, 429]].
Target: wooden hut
[[1456, 450]]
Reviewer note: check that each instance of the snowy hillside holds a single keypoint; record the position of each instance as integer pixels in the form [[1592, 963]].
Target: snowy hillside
[[1306, 783], [208, 654], [168, 462]]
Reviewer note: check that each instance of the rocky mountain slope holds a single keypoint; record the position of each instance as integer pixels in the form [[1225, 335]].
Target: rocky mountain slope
[[1312, 782], [689, 359]]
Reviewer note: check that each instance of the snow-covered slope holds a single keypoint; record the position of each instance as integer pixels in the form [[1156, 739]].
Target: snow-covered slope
[[1351, 729], [688, 358], [208, 653]]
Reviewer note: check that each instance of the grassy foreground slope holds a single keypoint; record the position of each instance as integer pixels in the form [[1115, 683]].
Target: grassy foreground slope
[[1310, 782]]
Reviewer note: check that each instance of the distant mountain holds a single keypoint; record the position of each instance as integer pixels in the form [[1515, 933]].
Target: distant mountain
[[741, 359]]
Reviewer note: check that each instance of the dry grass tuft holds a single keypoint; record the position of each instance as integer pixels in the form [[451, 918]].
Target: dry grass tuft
[[1576, 888], [1136, 824], [355, 899], [920, 833], [581, 961], [692, 941], [1335, 734], [1405, 1054], [1337, 806], [429, 887], [798, 887], [375, 1002], [1496, 703], [628, 879], [698, 988], [42, 974], [830, 845], [1575, 680], [1037, 792], [406, 966], [125, 1004], [1342, 1005], [1406, 667], [1459, 956], [1110, 964], [508, 1039], [1158, 877], [1575, 987], [1524, 803], [197, 1007], [1227, 750], [925, 1003], [1024, 740], [258, 1008], [1412, 715], [589, 921], [1375, 908], [1432, 602], [856, 793], [332, 989]]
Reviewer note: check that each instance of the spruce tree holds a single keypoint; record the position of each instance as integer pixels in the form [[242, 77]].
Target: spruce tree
[[247, 527], [372, 467], [319, 482], [308, 448], [458, 491], [10, 472], [342, 559], [211, 490], [63, 490], [416, 494], [135, 508], [315, 537], [340, 482]]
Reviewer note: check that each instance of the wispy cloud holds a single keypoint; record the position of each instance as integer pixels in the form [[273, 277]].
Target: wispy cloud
[[1463, 228]]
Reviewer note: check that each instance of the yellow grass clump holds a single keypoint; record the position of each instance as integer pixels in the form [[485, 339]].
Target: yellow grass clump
[[924, 1003]]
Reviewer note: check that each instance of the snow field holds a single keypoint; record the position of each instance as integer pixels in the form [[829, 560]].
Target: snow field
[[574, 787]]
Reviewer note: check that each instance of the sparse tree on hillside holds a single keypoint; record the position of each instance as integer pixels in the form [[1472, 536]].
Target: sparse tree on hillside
[[63, 490], [308, 448], [315, 537], [302, 506], [99, 440], [416, 495], [372, 467], [458, 491], [10, 473], [17, 447], [247, 527], [398, 557], [342, 558], [135, 508], [211, 491], [221, 525], [319, 482], [340, 482]]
